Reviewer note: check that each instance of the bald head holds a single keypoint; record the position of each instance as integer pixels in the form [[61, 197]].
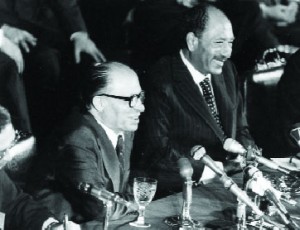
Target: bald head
[[117, 98], [209, 41], [119, 76], [196, 19], [102, 77]]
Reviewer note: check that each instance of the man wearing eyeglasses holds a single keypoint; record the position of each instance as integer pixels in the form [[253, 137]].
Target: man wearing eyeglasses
[[18, 211], [96, 140]]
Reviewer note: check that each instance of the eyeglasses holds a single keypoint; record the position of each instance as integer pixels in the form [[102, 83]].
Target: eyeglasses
[[133, 100], [18, 136]]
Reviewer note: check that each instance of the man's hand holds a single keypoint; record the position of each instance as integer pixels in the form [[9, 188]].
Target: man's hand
[[14, 52], [70, 226], [20, 37], [82, 43]]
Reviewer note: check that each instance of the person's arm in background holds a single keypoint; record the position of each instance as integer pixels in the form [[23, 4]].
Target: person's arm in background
[[11, 26], [22, 38], [12, 50], [22, 212], [288, 89], [73, 22]]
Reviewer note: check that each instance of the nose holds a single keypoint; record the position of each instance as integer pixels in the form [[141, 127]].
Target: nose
[[140, 106], [227, 49]]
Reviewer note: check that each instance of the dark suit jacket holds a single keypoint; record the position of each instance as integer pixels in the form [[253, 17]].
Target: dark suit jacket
[[22, 213], [289, 98], [87, 155], [43, 17], [178, 118]]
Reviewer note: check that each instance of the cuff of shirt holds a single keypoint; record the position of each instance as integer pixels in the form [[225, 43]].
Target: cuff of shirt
[[79, 34], [49, 221]]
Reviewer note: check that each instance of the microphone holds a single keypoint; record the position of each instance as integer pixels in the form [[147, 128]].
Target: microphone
[[186, 172], [251, 154], [233, 146], [199, 153], [228, 183], [103, 195], [261, 186], [185, 168]]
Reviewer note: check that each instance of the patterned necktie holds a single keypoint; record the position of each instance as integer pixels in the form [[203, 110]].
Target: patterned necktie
[[210, 100], [120, 151]]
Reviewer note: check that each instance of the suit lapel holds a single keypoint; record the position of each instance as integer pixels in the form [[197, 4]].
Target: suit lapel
[[108, 154], [223, 101], [189, 91]]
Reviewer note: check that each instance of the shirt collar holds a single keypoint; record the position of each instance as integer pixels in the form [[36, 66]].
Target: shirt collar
[[197, 76], [112, 135]]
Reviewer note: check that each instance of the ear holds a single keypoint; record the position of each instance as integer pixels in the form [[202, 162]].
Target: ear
[[192, 41], [98, 103]]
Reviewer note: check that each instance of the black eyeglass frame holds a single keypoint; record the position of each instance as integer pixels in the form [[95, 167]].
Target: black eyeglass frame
[[130, 99]]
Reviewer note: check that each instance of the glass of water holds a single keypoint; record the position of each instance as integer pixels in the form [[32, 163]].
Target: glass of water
[[144, 189]]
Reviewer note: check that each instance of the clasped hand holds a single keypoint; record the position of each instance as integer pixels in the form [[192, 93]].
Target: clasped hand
[[20, 37]]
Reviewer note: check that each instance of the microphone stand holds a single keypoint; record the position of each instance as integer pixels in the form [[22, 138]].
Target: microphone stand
[[185, 221], [108, 204], [241, 215], [261, 222]]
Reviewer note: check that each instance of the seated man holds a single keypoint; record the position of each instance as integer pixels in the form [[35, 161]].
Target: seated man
[[194, 99], [96, 141], [20, 211], [288, 90]]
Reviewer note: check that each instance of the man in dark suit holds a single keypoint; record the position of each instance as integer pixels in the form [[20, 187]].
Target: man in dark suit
[[18, 210], [42, 31], [178, 116], [96, 141], [288, 91]]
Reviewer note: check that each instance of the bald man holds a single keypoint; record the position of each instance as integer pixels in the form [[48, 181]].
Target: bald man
[[194, 99], [96, 140]]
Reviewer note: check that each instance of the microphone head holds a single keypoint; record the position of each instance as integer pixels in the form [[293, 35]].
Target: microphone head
[[185, 168], [253, 172], [197, 152], [295, 133], [231, 145]]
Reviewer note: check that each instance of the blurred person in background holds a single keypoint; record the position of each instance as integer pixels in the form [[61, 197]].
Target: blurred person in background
[[18, 210], [49, 37]]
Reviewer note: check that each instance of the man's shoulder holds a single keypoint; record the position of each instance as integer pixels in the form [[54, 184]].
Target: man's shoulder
[[164, 68], [80, 127]]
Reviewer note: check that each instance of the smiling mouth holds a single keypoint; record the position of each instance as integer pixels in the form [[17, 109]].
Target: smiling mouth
[[220, 62]]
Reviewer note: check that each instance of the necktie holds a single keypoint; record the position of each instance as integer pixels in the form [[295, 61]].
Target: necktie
[[210, 100], [120, 151]]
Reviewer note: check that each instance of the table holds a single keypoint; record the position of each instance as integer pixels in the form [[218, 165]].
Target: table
[[212, 205]]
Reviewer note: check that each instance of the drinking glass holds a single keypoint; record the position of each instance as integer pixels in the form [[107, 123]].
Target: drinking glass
[[144, 189]]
